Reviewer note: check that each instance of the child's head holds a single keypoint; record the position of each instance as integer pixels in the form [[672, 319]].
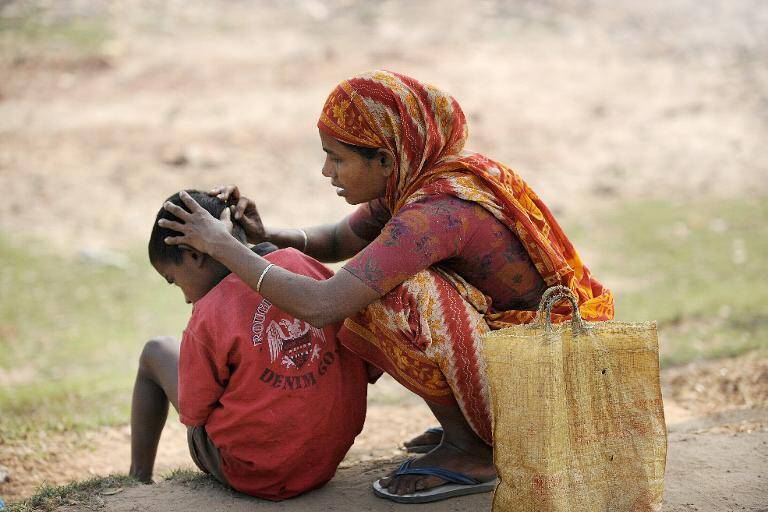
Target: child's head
[[192, 271]]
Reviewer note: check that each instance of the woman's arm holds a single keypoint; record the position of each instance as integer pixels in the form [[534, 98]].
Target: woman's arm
[[327, 243], [318, 302]]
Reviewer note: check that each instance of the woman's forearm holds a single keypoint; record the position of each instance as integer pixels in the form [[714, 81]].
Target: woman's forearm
[[300, 296], [320, 241], [328, 243]]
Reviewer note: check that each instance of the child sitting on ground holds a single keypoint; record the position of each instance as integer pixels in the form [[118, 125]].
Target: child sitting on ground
[[271, 403]]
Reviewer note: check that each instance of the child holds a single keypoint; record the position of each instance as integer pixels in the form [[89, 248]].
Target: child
[[271, 403]]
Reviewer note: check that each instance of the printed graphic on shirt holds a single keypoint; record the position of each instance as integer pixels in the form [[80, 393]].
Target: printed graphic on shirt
[[258, 320], [294, 342], [291, 342]]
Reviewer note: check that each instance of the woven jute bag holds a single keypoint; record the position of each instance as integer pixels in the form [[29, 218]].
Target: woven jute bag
[[578, 419]]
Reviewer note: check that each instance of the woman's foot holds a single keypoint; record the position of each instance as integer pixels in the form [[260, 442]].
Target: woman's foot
[[425, 441], [474, 460]]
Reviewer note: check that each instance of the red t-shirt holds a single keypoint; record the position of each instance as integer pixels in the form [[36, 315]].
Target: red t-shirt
[[282, 400], [460, 235]]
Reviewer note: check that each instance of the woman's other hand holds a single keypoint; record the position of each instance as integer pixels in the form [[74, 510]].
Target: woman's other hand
[[200, 230], [244, 212]]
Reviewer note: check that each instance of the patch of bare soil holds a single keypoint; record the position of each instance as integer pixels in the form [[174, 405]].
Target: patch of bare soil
[[591, 100], [706, 473]]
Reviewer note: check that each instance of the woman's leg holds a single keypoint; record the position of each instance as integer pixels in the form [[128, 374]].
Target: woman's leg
[[460, 450], [426, 334], [156, 385]]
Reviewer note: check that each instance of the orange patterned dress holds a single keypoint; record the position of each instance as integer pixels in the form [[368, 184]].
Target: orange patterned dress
[[425, 330]]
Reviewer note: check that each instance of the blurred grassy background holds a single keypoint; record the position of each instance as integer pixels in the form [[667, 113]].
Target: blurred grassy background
[[72, 333]]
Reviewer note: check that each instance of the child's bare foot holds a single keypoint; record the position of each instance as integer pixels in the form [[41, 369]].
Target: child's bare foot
[[140, 476], [473, 460]]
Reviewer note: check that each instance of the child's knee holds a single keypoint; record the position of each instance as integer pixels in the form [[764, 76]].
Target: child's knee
[[155, 350]]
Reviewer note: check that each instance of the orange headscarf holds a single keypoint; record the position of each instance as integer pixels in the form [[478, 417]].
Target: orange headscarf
[[425, 129]]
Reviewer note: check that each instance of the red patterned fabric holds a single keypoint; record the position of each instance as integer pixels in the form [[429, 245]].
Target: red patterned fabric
[[425, 129], [426, 331], [459, 235], [426, 334]]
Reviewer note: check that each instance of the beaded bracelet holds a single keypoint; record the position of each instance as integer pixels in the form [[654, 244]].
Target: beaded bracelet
[[261, 277]]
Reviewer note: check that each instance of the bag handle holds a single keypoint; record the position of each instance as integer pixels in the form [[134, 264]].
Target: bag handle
[[552, 296]]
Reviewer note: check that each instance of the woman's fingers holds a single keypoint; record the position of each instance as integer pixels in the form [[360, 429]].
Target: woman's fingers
[[193, 206], [225, 217], [177, 210], [171, 224], [242, 205], [175, 240], [225, 192]]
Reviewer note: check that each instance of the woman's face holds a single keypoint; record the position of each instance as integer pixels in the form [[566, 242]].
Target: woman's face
[[357, 179]]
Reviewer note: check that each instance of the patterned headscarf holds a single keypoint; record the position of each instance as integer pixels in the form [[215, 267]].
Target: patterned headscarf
[[425, 129]]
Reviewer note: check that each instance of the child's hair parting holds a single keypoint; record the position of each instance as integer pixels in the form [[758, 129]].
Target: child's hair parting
[[159, 251]]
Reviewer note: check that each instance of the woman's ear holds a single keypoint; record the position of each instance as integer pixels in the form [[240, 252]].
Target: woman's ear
[[385, 160]]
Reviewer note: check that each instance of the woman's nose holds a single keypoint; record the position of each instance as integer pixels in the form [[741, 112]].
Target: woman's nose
[[327, 170]]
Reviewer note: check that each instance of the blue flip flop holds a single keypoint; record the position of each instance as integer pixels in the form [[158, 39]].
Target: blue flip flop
[[424, 448], [458, 484]]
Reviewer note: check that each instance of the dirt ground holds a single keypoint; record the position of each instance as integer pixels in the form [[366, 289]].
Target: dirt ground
[[737, 486], [717, 416], [592, 101]]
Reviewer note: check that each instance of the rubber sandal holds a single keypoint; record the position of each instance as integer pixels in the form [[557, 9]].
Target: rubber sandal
[[424, 448], [459, 485]]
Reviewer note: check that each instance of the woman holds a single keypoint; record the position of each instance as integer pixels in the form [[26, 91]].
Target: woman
[[445, 246]]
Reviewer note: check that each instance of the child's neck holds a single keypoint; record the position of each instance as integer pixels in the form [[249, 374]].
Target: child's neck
[[217, 273]]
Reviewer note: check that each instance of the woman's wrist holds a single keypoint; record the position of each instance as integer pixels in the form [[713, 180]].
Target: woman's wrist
[[220, 249], [288, 237], [257, 238]]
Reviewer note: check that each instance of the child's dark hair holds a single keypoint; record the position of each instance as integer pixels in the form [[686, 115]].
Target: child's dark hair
[[159, 251]]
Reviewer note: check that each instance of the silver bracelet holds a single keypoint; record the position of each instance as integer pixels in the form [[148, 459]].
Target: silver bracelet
[[261, 277], [306, 239]]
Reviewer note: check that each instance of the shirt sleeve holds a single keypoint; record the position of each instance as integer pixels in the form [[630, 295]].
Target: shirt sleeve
[[369, 219], [203, 375], [420, 235]]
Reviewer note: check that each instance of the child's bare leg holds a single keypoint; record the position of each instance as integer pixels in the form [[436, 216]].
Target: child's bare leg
[[156, 385]]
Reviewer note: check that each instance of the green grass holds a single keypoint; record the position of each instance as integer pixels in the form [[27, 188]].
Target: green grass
[[32, 32], [697, 267], [70, 336], [83, 494], [190, 478], [87, 494]]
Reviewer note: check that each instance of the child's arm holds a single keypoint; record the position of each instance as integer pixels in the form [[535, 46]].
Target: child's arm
[[203, 375]]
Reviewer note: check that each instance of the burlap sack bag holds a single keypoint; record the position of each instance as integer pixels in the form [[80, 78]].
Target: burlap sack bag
[[578, 420]]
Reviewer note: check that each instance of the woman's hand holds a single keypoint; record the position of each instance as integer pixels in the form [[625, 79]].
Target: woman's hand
[[244, 211], [200, 229]]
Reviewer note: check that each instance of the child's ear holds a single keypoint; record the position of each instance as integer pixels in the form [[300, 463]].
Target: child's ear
[[196, 257]]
